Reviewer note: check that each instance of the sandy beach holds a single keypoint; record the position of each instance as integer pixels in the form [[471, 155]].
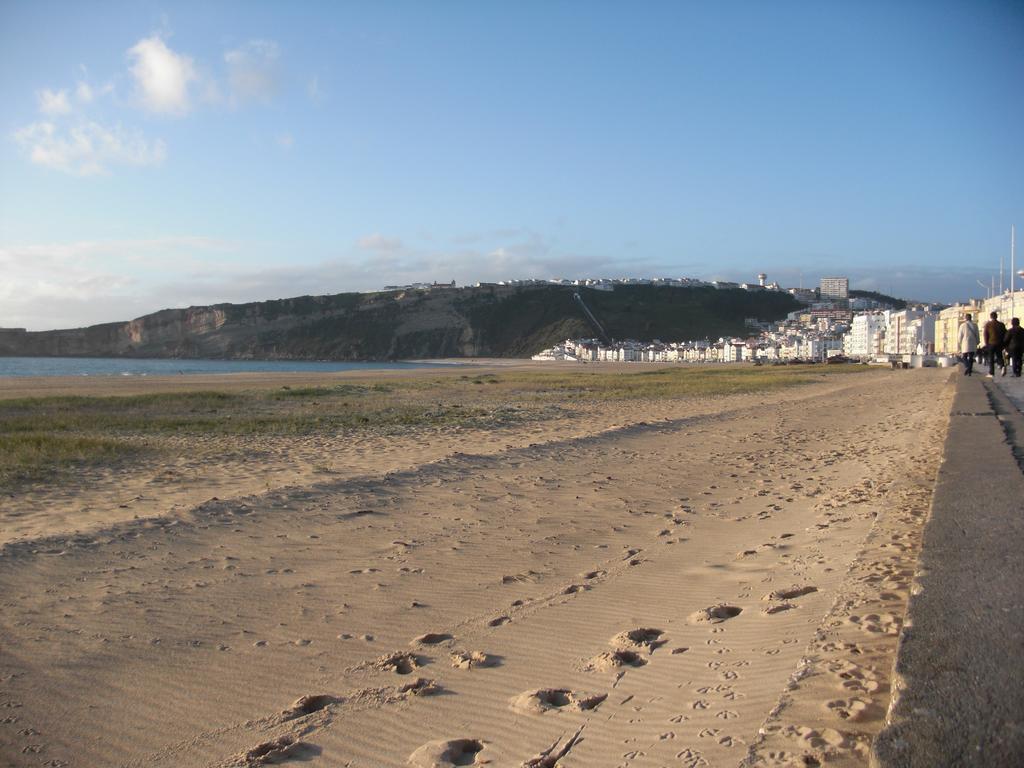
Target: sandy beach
[[562, 579]]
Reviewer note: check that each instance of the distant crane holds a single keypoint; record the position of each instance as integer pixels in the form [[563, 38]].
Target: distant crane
[[590, 316]]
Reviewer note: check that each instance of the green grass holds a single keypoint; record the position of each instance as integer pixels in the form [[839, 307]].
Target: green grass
[[673, 382], [28, 456], [43, 436], [351, 390], [287, 412]]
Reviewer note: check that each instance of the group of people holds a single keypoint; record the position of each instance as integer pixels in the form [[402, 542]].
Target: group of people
[[1000, 344]]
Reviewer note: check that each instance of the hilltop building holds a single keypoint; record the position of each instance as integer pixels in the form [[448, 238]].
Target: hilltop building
[[804, 295], [835, 288]]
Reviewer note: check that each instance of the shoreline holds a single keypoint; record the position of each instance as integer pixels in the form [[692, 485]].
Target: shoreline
[[42, 386]]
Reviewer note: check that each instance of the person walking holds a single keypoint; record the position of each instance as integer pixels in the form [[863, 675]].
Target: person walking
[[967, 343], [995, 334], [1015, 345]]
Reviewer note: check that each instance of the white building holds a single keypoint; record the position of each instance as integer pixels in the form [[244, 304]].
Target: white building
[[1008, 305], [835, 287], [898, 337], [866, 337]]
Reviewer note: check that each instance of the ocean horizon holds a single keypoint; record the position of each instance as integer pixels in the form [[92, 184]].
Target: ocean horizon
[[121, 366]]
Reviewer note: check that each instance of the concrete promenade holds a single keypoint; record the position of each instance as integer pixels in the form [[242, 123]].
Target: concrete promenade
[[959, 693]]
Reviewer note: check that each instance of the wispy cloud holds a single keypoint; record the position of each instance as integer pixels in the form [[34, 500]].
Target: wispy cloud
[[53, 102], [84, 92], [314, 91], [380, 243], [76, 137], [67, 285], [87, 148], [253, 72], [162, 77], [63, 285]]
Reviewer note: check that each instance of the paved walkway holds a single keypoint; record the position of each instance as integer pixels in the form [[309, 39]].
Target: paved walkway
[[1013, 389], [959, 698]]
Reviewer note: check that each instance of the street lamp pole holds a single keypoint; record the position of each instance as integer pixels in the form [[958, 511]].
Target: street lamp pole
[[1013, 268]]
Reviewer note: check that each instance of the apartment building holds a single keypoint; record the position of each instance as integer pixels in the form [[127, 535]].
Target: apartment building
[[835, 287], [866, 337], [947, 326]]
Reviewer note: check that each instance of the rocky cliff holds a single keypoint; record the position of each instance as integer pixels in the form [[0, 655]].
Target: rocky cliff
[[489, 321]]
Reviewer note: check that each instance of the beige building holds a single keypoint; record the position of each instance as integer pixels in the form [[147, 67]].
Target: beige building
[[1006, 304], [947, 326]]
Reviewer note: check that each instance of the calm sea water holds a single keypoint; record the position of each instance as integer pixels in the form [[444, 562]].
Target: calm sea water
[[119, 366]]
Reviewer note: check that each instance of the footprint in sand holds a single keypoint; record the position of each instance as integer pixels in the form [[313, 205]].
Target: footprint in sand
[[715, 614], [519, 578], [815, 739], [471, 659], [856, 679], [614, 660], [790, 594], [273, 751], [641, 637], [886, 623], [498, 621], [691, 758], [421, 686], [431, 638], [441, 754], [307, 705], [551, 699], [855, 710], [399, 662]]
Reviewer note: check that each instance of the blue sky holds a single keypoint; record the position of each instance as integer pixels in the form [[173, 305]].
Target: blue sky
[[168, 154]]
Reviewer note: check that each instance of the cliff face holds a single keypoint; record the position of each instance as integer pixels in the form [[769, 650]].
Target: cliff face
[[491, 321]]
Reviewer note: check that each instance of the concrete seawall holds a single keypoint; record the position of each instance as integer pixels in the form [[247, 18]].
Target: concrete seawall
[[959, 693]]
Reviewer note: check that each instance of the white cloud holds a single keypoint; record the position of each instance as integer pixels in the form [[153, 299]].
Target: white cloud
[[83, 92], [378, 242], [162, 77], [86, 93], [68, 285], [286, 141], [253, 71], [53, 102], [87, 148], [313, 90]]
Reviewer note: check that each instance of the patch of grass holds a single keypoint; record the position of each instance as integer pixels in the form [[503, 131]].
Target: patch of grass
[[39, 437], [28, 456], [689, 381], [349, 390], [203, 413]]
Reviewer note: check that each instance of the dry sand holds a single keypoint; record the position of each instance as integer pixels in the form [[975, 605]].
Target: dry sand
[[670, 583]]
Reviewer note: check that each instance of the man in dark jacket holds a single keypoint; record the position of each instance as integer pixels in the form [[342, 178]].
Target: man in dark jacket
[[995, 335], [1015, 345]]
